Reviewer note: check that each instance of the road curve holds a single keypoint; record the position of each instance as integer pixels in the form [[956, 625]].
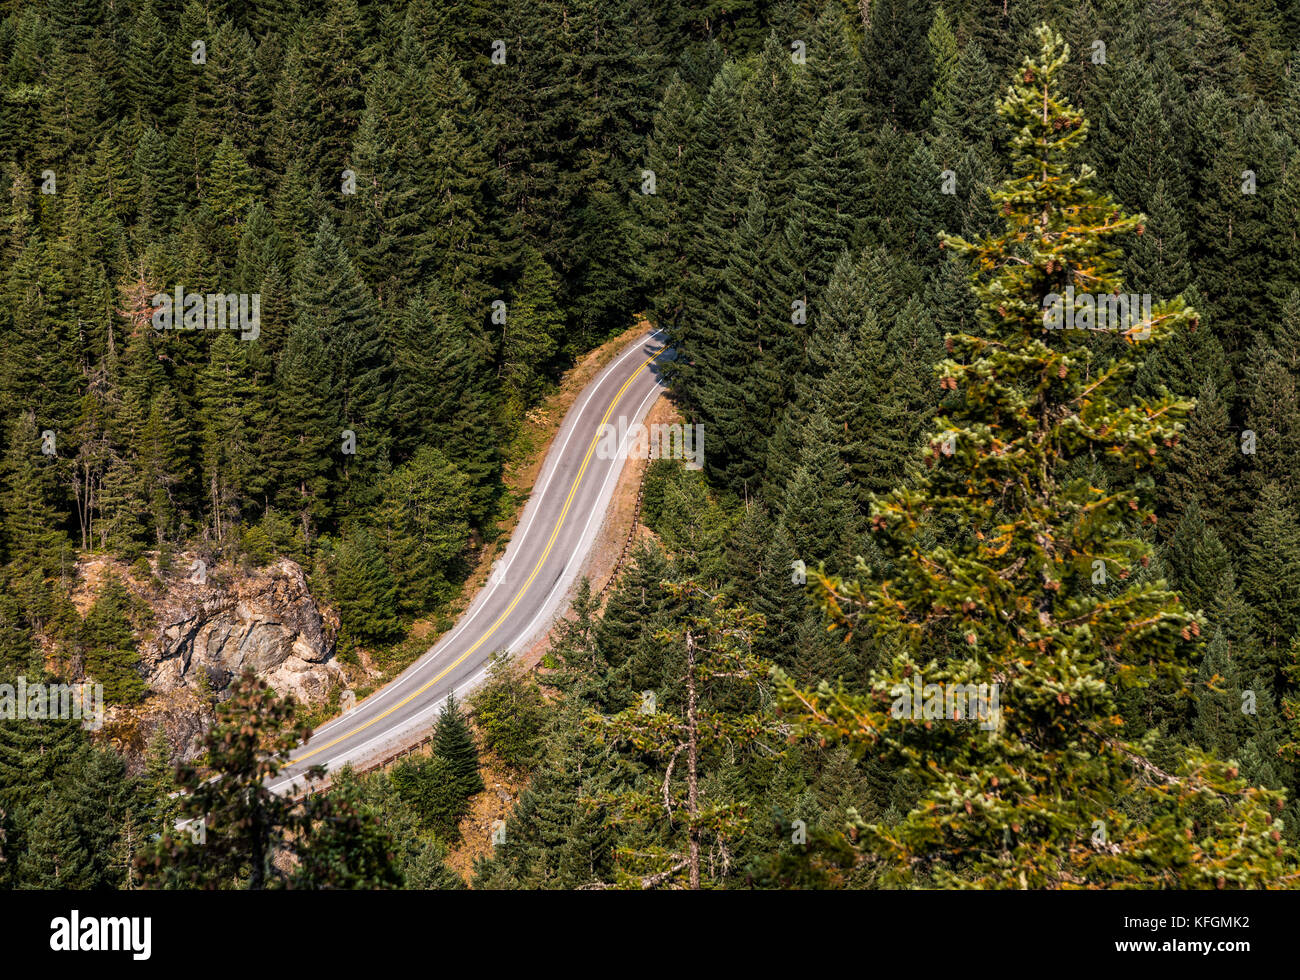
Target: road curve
[[529, 586]]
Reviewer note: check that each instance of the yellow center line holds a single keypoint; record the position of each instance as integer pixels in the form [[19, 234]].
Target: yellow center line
[[527, 582]]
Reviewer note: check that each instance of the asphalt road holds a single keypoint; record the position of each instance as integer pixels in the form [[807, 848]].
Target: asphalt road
[[529, 586]]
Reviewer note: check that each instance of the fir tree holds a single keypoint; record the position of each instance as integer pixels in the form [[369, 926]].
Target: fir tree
[[366, 593], [716, 643], [231, 422], [556, 836], [454, 744], [54, 854], [530, 334], [423, 528], [33, 535], [974, 609], [308, 424], [895, 55], [236, 827], [1270, 564], [442, 392], [111, 657], [333, 300]]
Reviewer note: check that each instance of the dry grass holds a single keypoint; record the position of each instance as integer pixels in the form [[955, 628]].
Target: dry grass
[[485, 809]]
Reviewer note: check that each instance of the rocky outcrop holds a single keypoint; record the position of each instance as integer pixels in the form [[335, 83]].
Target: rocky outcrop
[[265, 621]]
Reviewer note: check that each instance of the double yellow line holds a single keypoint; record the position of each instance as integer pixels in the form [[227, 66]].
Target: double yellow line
[[555, 532]]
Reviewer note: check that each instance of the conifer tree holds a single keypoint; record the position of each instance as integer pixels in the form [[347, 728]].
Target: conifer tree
[[1158, 261], [235, 827], [625, 636], [898, 72], [230, 426], [148, 51], [158, 782], [33, 535], [163, 465], [1272, 418], [454, 744], [825, 218], [423, 528], [111, 656], [1226, 234], [54, 855], [776, 594], [835, 67], [442, 392], [556, 836], [743, 395], [664, 214], [429, 787], [942, 45], [1199, 469], [1198, 562], [1270, 566], [332, 299], [33, 757], [531, 333], [1012, 602], [320, 95], [308, 424], [716, 640], [231, 187], [836, 344], [510, 711], [964, 111], [818, 511], [715, 207], [366, 593], [223, 93]]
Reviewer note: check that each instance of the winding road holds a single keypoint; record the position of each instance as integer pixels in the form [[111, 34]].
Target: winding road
[[529, 586]]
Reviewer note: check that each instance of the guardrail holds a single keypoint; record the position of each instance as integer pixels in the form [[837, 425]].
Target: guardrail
[[323, 783]]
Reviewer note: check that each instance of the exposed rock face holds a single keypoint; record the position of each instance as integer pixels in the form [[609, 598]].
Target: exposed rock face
[[267, 622]]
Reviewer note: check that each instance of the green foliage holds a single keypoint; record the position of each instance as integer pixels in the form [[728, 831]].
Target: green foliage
[[235, 827], [510, 711], [454, 744], [111, 657], [1011, 602], [438, 787], [425, 528], [365, 592], [531, 331], [430, 788], [716, 643], [419, 854], [776, 181]]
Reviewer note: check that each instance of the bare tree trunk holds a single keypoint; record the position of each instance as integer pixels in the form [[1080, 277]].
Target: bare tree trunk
[[216, 508], [692, 758]]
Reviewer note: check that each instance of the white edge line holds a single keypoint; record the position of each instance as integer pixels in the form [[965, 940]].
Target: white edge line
[[416, 719], [479, 603]]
